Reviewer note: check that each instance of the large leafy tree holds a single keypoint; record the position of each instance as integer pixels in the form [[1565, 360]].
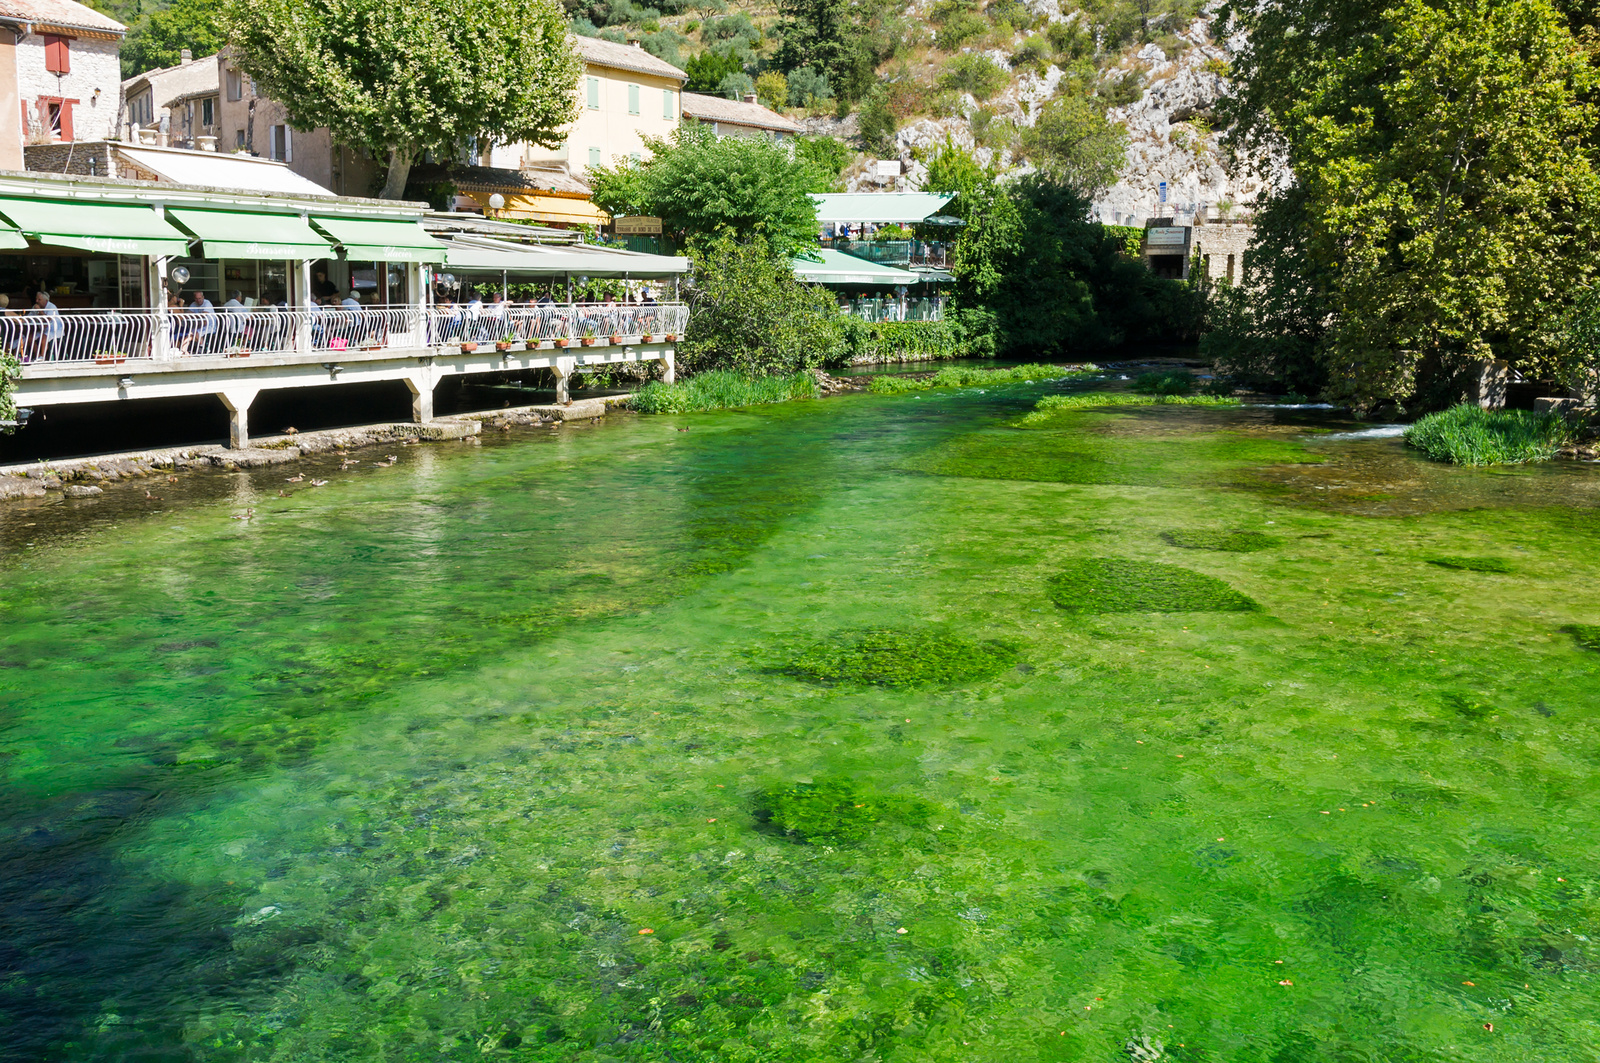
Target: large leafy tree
[[397, 82], [1444, 199], [748, 312], [703, 185], [844, 39], [1076, 146], [158, 39]]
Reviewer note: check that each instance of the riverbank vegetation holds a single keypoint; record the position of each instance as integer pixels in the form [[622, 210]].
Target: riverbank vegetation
[[1444, 202], [962, 376], [722, 389], [1089, 400], [1470, 435]]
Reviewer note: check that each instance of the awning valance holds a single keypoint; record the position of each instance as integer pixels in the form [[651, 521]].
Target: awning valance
[[88, 226], [827, 266], [245, 234], [896, 208], [380, 239]]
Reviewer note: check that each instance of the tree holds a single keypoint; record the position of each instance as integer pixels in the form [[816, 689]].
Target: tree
[[828, 156], [1076, 146], [772, 90], [428, 79], [158, 39], [703, 185], [707, 70], [1444, 200], [844, 39], [748, 312]]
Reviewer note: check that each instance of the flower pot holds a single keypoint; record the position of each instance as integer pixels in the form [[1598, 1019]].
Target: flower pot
[[559, 344], [104, 361], [587, 341], [646, 338], [615, 339], [468, 348], [502, 345], [238, 354]]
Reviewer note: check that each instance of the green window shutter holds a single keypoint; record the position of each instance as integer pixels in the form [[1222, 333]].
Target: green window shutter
[[594, 94], [633, 99], [594, 156], [666, 105]]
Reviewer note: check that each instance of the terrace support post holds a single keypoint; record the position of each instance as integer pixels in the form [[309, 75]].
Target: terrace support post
[[421, 381], [237, 401], [669, 366], [563, 369], [160, 346], [302, 332]]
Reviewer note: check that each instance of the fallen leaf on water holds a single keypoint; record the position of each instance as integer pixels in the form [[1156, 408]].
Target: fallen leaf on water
[[647, 930]]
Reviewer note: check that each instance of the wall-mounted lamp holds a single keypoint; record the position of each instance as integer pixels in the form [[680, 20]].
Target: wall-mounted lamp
[[333, 368], [125, 383]]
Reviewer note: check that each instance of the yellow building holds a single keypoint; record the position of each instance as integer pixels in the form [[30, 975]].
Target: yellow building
[[625, 95]]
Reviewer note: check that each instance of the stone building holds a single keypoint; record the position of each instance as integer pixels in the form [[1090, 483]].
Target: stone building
[[738, 118], [60, 75], [1220, 247], [173, 106]]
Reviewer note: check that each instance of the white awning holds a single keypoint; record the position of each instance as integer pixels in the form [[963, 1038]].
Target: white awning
[[898, 208], [216, 169], [483, 254]]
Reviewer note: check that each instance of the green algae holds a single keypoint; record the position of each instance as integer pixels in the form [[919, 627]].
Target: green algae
[[1233, 542], [892, 657], [837, 810], [1117, 845], [1472, 564], [1120, 585], [1585, 635]]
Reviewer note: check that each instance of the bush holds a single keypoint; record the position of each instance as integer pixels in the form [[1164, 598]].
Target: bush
[[959, 29], [976, 74], [735, 86], [749, 313], [878, 123], [772, 90], [734, 27], [902, 341], [707, 69], [722, 389], [1470, 435], [807, 88]]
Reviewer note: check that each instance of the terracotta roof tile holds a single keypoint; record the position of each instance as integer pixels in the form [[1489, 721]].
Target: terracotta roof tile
[[735, 112], [63, 13], [623, 57]]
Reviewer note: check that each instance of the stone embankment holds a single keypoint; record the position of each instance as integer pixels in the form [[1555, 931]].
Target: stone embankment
[[88, 477]]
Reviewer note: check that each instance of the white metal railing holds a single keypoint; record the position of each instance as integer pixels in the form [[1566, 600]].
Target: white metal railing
[[890, 310], [115, 336]]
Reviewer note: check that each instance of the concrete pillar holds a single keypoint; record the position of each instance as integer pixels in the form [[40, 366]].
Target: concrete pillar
[[1489, 390], [160, 347], [302, 336], [563, 369], [237, 401], [421, 382], [669, 367]]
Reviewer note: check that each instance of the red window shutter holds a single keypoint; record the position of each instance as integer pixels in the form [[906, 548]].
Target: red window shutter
[[66, 119], [57, 58]]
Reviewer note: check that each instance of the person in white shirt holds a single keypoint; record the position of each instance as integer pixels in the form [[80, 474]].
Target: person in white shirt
[[204, 329], [46, 332]]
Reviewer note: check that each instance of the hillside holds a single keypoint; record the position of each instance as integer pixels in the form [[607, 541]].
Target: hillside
[[978, 75]]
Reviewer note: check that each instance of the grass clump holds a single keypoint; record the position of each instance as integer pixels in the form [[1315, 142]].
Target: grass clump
[[955, 376], [1470, 435], [1587, 636], [1234, 542], [1472, 564], [1117, 585], [893, 658], [836, 811], [1163, 383], [1088, 400], [722, 389]]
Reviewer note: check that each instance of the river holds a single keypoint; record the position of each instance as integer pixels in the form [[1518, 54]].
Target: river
[[845, 730]]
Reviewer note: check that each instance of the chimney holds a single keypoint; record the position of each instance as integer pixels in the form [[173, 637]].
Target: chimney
[[186, 56], [749, 97], [637, 43]]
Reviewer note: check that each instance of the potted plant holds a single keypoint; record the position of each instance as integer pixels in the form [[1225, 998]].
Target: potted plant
[[616, 339], [109, 357], [468, 347], [560, 342], [239, 352], [587, 339], [646, 338], [504, 345]]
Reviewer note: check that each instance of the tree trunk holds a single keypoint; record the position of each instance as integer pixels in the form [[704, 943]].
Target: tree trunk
[[394, 186]]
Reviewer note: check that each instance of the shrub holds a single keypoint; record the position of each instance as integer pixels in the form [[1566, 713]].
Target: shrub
[[1470, 435], [878, 124], [749, 313], [1164, 383], [807, 88], [735, 86], [1033, 55], [734, 27], [959, 29], [976, 74], [772, 90], [722, 389]]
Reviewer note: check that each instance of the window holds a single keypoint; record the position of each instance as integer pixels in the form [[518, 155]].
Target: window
[[235, 85], [666, 105], [55, 115], [57, 58], [282, 146], [594, 156], [594, 94], [238, 139], [633, 99], [208, 112]]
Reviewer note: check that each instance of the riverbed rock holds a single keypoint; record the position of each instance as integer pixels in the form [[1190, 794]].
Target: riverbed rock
[[580, 410], [82, 491], [18, 487]]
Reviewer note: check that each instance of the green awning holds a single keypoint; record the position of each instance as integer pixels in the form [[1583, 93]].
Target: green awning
[[382, 240], [89, 226], [827, 266], [246, 234]]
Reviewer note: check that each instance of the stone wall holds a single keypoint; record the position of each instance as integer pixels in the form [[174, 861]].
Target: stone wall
[[1221, 247], [94, 80], [85, 160]]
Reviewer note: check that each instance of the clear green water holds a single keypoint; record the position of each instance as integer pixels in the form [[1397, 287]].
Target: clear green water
[[406, 767]]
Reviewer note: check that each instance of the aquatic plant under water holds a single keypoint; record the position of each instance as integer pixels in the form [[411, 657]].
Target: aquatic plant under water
[[1233, 542], [1470, 435], [837, 810], [1119, 585], [892, 657], [1585, 635], [1169, 383], [961, 376], [1472, 564]]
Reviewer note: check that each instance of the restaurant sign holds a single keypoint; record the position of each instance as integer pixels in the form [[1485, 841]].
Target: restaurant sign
[[639, 225], [1173, 237]]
